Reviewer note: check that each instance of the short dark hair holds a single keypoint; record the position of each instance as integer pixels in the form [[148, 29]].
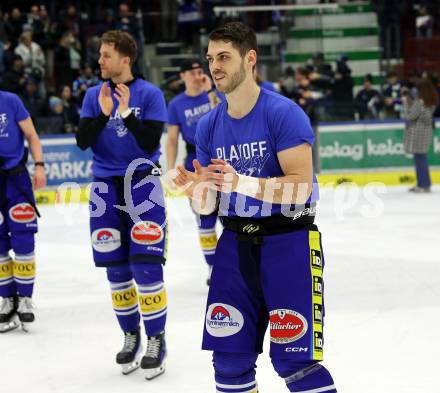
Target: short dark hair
[[123, 42], [241, 36]]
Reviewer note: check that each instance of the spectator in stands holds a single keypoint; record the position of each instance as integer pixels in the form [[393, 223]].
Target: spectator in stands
[[33, 57], [368, 101], [70, 110], [419, 129], [288, 83], [189, 18], [63, 110], [307, 97], [35, 24], [424, 23], [320, 66], [67, 59], [106, 22], [70, 21], [14, 79], [85, 80], [14, 25], [392, 97], [127, 22], [33, 102], [343, 91], [92, 52]]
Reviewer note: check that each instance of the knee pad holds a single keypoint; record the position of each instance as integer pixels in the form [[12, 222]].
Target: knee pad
[[23, 242], [234, 365], [119, 273], [147, 273], [304, 375]]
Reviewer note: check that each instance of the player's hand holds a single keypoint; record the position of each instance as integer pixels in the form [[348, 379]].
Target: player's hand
[[194, 184], [39, 177], [169, 177], [206, 82], [105, 99], [222, 176], [122, 94]]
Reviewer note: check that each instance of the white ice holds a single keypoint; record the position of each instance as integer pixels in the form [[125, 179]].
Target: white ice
[[382, 303]]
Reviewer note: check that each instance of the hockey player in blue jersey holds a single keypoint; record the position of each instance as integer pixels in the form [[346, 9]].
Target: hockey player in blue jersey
[[254, 161], [184, 111], [122, 120], [18, 213]]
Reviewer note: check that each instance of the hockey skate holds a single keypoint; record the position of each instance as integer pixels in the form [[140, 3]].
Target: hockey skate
[[25, 312], [8, 314], [129, 356], [153, 362]]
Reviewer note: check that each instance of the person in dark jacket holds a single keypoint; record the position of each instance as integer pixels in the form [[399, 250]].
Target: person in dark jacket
[[417, 139]]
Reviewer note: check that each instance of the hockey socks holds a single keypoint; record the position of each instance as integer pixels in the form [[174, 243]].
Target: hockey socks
[[125, 304], [302, 377], [235, 372], [24, 274], [7, 285]]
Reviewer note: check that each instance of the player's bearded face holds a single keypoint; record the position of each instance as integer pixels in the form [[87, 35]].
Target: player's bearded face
[[110, 62], [234, 80]]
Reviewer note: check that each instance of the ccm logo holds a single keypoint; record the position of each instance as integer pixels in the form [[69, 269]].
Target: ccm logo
[[296, 349]]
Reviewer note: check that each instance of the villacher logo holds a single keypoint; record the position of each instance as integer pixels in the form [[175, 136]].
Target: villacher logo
[[286, 326]]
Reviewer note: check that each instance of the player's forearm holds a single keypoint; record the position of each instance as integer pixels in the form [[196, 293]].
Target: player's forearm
[[89, 130], [171, 152], [35, 148], [147, 133], [289, 189]]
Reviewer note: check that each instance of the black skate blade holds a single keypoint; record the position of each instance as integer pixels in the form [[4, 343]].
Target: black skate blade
[[8, 326]]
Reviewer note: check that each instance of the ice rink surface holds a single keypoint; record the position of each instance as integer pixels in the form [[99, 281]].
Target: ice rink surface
[[382, 302]]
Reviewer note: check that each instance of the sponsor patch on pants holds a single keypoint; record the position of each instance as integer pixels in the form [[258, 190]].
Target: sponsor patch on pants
[[286, 326], [223, 320]]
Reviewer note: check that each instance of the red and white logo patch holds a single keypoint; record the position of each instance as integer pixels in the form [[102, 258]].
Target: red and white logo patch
[[22, 213], [106, 239], [147, 232], [286, 326]]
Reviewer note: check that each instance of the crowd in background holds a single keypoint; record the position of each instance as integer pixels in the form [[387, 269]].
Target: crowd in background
[[49, 57]]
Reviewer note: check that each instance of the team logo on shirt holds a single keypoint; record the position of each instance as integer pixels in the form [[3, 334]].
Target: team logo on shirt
[[286, 326], [3, 125], [118, 126], [147, 232], [22, 213], [223, 320], [106, 239], [248, 158]]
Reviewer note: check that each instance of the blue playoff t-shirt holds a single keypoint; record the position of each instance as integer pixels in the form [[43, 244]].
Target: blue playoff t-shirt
[[251, 144], [12, 111], [116, 147], [185, 111]]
